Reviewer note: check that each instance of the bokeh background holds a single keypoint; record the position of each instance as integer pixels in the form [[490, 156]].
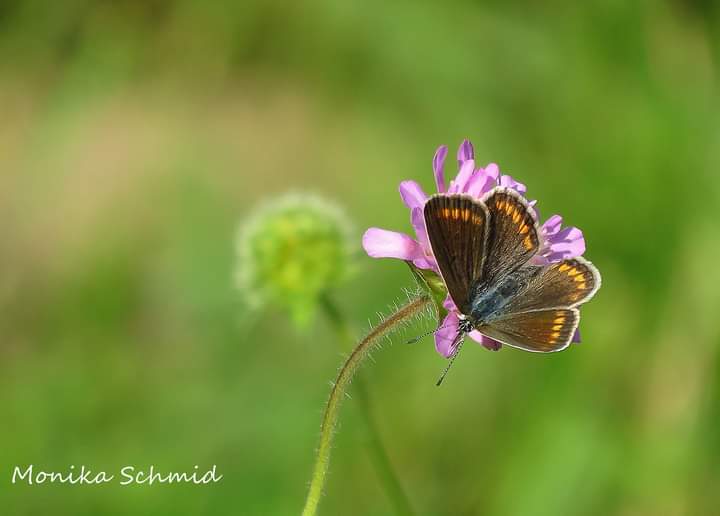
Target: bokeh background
[[136, 137]]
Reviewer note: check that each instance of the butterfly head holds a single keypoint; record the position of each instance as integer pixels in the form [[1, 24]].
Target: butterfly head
[[465, 325]]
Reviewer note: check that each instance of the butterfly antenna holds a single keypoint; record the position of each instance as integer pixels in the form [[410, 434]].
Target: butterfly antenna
[[420, 337], [461, 338]]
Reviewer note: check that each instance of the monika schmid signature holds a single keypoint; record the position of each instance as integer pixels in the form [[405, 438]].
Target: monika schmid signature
[[127, 475]]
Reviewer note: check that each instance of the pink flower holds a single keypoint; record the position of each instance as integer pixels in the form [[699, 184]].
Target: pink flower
[[557, 243]]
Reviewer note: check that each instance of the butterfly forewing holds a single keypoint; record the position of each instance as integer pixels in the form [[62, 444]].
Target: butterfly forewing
[[542, 331], [457, 229], [565, 284], [512, 233]]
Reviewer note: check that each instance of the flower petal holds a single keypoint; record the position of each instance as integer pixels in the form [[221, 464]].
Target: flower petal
[[559, 243], [438, 166], [449, 305], [412, 194], [492, 170], [552, 225], [509, 182], [486, 341], [380, 243], [466, 172], [576, 337], [465, 152], [567, 243], [479, 184], [425, 263], [570, 234], [418, 222], [447, 334]]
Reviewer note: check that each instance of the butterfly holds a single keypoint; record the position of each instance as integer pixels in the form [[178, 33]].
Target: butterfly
[[484, 250]]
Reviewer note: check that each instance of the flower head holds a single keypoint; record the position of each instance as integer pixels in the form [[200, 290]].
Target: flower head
[[291, 252], [557, 243]]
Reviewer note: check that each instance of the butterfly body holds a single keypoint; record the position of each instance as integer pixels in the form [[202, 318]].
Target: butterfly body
[[488, 301], [484, 250]]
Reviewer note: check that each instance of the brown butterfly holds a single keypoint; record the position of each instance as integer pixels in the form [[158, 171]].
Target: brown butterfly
[[484, 251]]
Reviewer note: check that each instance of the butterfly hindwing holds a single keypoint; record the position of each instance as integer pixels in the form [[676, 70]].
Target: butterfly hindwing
[[512, 233], [565, 284], [457, 230], [540, 331]]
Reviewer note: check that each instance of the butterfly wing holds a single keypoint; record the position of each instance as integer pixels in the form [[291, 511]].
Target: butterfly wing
[[565, 284], [541, 331], [543, 316], [512, 233], [457, 230]]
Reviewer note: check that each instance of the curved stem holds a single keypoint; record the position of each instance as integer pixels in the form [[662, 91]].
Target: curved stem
[[322, 460], [378, 454]]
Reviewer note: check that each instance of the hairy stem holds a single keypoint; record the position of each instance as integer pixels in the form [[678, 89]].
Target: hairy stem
[[378, 454], [372, 339]]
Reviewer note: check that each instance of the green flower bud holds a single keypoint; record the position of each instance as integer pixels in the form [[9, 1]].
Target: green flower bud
[[291, 252]]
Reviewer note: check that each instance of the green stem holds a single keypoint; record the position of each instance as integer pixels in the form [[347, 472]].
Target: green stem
[[372, 339], [381, 460]]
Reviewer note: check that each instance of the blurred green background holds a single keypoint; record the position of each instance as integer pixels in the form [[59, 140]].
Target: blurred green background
[[136, 136]]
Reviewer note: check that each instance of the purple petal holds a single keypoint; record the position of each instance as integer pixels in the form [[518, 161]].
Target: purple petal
[[412, 194], [560, 243], [552, 225], [551, 257], [418, 222], [465, 152], [426, 263], [486, 341], [570, 233], [449, 305], [380, 243], [540, 259], [509, 182], [576, 337], [568, 242], [438, 166], [493, 171], [479, 183], [446, 335], [466, 172]]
